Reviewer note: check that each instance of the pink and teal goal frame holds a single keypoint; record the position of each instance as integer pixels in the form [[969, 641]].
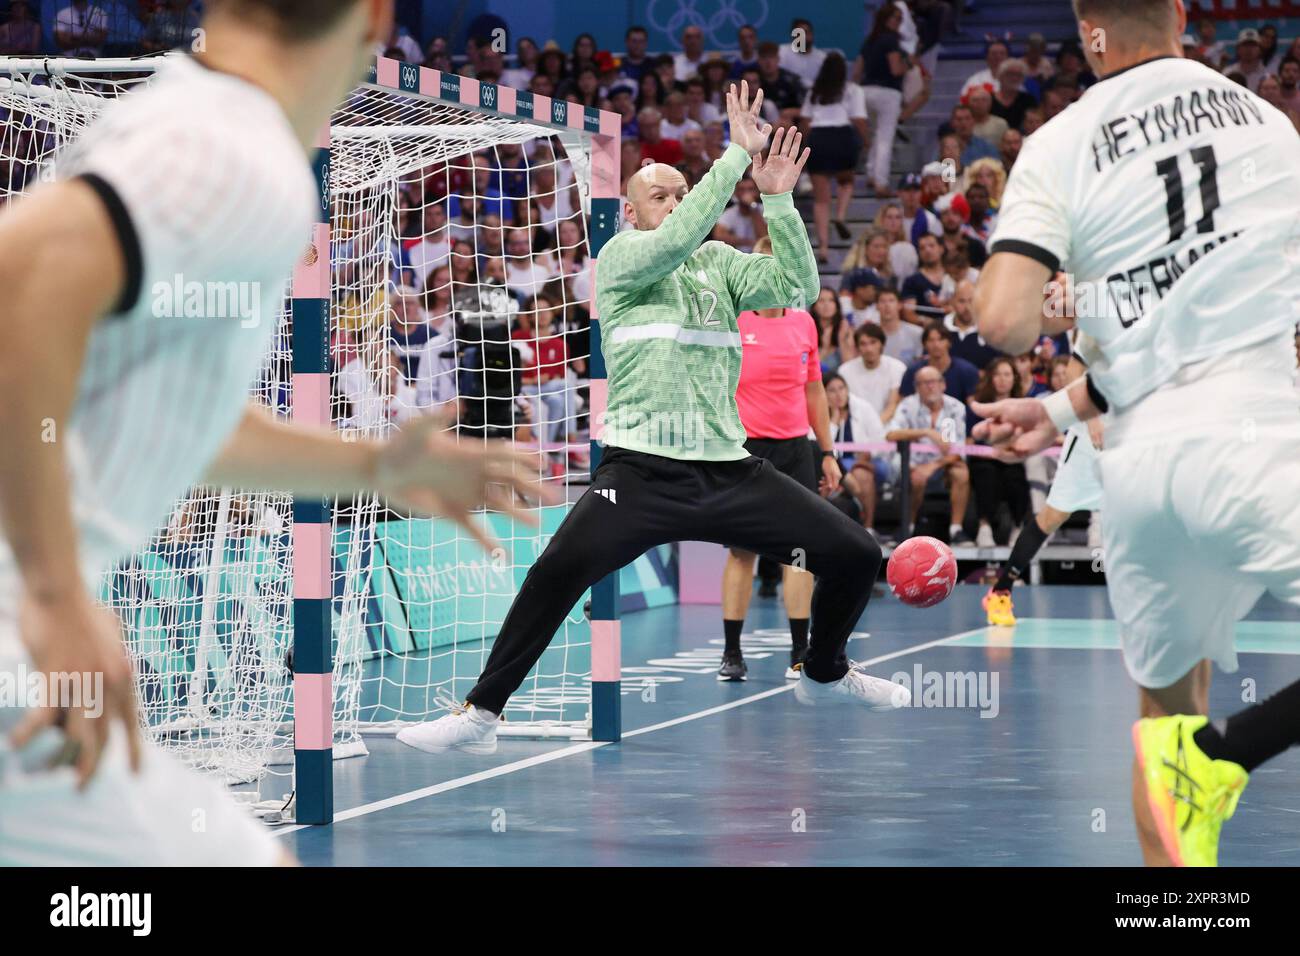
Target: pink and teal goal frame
[[312, 536]]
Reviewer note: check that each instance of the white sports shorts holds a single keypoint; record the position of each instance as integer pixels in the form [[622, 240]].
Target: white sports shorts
[[1077, 485], [1202, 517], [165, 815]]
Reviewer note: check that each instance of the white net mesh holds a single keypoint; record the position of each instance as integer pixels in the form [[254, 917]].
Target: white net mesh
[[460, 287]]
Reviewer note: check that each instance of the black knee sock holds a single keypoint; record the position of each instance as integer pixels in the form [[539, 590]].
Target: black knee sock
[[1257, 733], [1028, 544], [799, 632], [731, 631]]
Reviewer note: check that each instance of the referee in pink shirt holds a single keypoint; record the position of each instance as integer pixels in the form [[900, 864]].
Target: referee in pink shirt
[[780, 396]]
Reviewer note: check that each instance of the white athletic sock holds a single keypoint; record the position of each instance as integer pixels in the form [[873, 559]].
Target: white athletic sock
[[482, 716], [954, 530]]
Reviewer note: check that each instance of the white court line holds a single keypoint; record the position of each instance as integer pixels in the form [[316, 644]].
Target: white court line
[[586, 746]]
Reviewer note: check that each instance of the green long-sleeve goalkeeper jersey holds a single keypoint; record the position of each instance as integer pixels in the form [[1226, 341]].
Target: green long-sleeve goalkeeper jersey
[[668, 303]]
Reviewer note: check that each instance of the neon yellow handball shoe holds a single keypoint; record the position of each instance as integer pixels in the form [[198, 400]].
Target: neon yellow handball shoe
[[1190, 794], [998, 606]]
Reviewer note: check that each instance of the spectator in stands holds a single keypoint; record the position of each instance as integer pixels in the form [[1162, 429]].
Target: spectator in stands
[[917, 218], [408, 327], [747, 45], [434, 246], [962, 378], [922, 293], [541, 85], [882, 64], [834, 119], [694, 162], [800, 56], [715, 141], [1034, 119], [1209, 50], [1038, 68], [435, 362], [834, 334], [967, 343], [572, 263], [401, 38], [436, 293], [1072, 70], [902, 339], [521, 74], [855, 422], [666, 70], [989, 173], [987, 126], [583, 53], [687, 63], [552, 64], [769, 111], [546, 378], [1030, 386], [1270, 54], [995, 54], [629, 162], [742, 224], [874, 376], [1009, 149], [20, 35], [956, 268], [675, 121], [1190, 48], [871, 252], [1270, 91], [972, 146], [375, 390], [937, 419], [653, 144], [622, 100], [996, 482], [950, 156], [715, 75], [699, 108], [635, 62], [80, 29], [983, 220], [1289, 84], [1010, 101], [780, 87], [902, 254], [954, 214], [526, 272], [859, 289], [650, 92]]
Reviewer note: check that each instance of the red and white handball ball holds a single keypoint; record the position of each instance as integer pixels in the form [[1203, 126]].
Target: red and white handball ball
[[922, 571]]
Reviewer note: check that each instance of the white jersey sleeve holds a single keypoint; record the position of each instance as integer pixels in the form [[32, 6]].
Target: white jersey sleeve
[[1172, 197]]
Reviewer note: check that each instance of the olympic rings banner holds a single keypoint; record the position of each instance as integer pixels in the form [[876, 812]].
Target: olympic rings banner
[[839, 25]]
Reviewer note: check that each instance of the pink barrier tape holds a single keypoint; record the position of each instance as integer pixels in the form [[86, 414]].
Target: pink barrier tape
[[979, 451]]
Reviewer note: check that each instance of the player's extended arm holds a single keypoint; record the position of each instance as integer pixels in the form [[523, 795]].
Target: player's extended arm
[[1020, 427], [819, 416], [62, 270], [1018, 299], [420, 469], [641, 257], [788, 277]]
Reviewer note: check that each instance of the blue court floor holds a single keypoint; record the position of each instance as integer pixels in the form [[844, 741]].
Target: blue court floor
[[1020, 756]]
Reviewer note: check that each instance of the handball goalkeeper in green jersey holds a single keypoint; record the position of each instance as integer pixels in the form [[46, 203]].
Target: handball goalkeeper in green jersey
[[674, 466]]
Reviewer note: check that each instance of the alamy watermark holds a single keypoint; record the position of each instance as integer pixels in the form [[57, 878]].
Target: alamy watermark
[[30, 689], [958, 689], [181, 299]]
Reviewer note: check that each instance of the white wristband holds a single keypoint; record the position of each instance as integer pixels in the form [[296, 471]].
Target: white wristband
[[1060, 409]]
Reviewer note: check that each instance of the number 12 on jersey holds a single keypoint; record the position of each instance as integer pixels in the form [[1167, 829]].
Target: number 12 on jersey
[[1167, 169]]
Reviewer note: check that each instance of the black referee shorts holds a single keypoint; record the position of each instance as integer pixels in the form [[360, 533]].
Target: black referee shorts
[[790, 456]]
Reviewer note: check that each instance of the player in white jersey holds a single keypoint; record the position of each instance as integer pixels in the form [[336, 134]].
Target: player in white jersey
[[1171, 197], [203, 176], [1076, 487]]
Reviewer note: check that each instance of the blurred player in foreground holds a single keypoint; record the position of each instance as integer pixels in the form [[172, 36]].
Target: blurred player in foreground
[[1171, 197], [204, 175]]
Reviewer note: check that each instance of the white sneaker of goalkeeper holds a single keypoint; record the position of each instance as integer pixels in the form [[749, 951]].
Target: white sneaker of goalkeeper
[[855, 687], [471, 730]]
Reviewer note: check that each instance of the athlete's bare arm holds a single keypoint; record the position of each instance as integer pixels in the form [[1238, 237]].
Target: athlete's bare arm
[[62, 269], [1018, 299]]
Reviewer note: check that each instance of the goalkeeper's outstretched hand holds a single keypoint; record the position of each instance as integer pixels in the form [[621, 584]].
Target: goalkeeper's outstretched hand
[[747, 126], [780, 171]]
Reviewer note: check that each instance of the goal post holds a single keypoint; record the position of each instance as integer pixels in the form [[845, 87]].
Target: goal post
[[272, 632]]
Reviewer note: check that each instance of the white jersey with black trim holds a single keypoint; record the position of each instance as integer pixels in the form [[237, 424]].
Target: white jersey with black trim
[[212, 197], [1172, 197]]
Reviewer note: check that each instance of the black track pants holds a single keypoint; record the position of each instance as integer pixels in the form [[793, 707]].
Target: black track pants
[[638, 501]]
